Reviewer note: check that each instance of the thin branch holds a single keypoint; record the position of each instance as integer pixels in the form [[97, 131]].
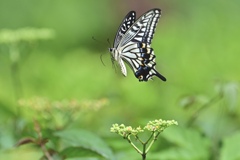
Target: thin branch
[[153, 140], [210, 102], [45, 151], [150, 137], [42, 144], [140, 140], [134, 146]]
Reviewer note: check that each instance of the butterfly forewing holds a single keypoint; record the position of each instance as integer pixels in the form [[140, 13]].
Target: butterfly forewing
[[125, 25], [143, 29]]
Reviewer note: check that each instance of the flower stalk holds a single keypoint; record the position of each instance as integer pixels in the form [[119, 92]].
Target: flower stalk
[[155, 127]]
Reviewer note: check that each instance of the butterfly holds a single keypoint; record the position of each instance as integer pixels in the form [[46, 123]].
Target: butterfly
[[132, 45]]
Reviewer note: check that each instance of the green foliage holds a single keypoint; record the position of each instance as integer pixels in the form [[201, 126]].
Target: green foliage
[[187, 144], [58, 114], [74, 142], [47, 50], [82, 143]]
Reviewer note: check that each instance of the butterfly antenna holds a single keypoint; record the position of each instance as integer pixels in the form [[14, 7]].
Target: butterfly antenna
[[99, 41], [102, 43], [109, 43], [95, 39], [102, 60]]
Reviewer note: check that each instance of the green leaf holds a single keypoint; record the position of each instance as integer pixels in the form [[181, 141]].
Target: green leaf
[[230, 149], [90, 158], [79, 152], [83, 143], [189, 145]]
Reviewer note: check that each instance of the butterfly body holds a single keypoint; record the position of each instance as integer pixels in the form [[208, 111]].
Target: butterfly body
[[132, 45]]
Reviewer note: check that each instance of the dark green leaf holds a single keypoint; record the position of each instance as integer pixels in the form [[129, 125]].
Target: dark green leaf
[[87, 143]]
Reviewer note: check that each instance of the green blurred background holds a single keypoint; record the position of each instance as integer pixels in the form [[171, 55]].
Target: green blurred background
[[197, 49]]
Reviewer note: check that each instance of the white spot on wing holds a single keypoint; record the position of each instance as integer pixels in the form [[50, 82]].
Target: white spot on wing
[[138, 39], [129, 55]]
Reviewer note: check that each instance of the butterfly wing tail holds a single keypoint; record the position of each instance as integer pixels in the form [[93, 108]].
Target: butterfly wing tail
[[160, 76]]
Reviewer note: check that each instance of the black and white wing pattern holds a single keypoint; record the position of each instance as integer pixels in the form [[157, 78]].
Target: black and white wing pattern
[[132, 45], [125, 25]]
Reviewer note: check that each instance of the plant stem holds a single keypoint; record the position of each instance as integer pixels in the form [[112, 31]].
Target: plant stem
[[144, 153], [17, 86], [153, 140], [37, 128], [135, 147], [144, 156], [210, 102], [45, 151]]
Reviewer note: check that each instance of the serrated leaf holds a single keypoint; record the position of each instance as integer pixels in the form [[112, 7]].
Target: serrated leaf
[[230, 149], [84, 141], [190, 145]]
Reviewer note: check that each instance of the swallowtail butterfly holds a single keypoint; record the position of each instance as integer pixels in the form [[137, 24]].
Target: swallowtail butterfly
[[132, 45]]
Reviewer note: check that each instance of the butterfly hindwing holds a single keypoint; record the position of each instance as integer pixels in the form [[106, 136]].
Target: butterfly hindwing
[[141, 58]]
